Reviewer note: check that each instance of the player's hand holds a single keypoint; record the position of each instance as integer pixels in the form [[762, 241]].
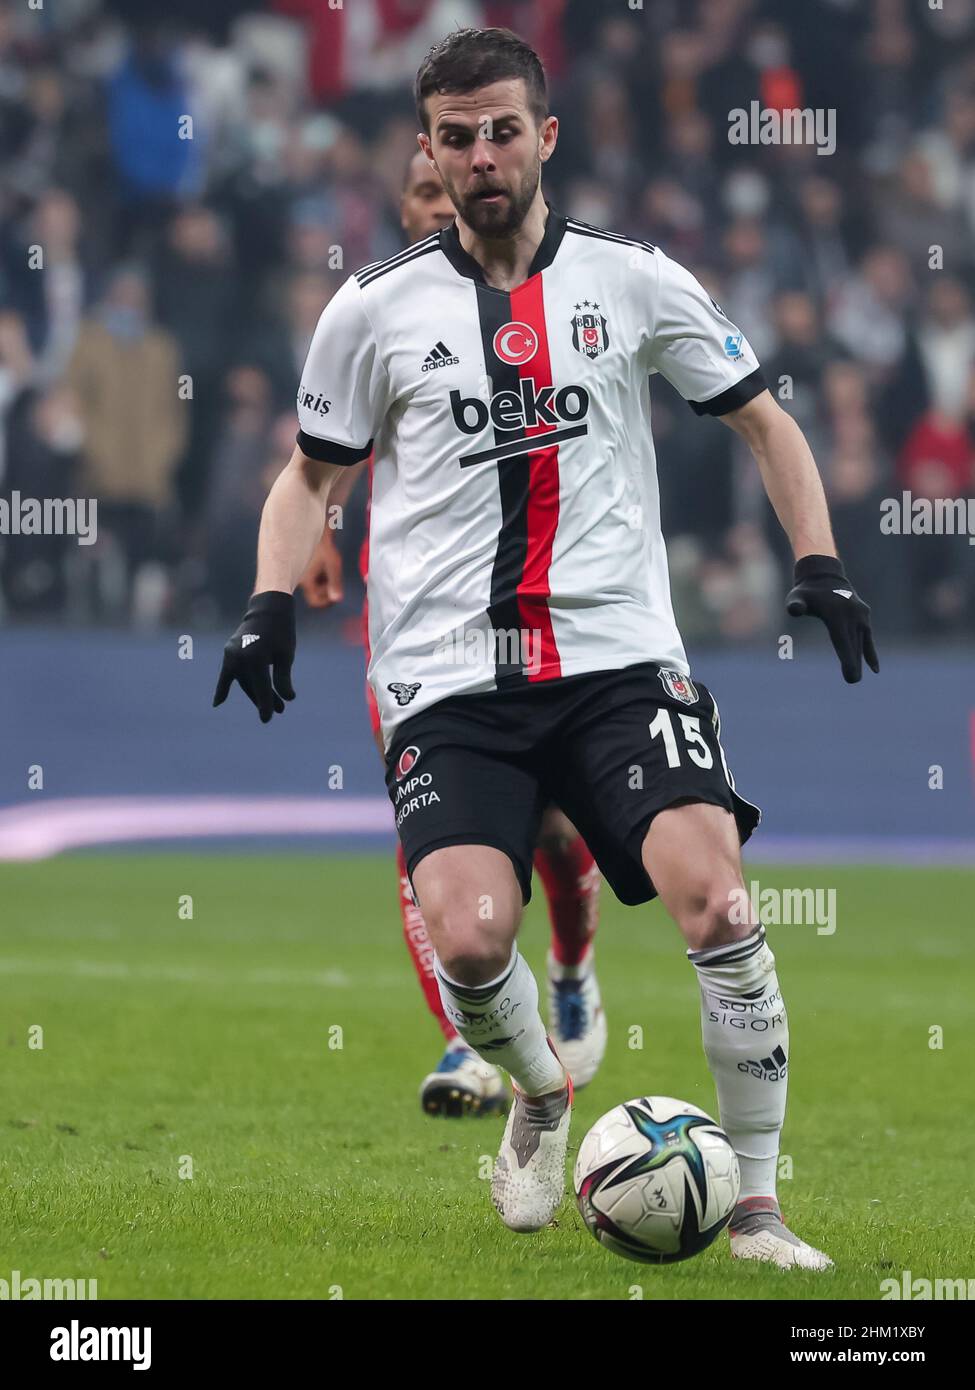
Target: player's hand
[[262, 647], [822, 590], [321, 582]]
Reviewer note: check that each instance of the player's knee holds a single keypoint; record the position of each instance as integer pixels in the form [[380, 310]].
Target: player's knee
[[473, 959], [471, 948], [711, 917]]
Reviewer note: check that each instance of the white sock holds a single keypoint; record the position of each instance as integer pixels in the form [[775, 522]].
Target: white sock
[[746, 1041], [501, 1022]]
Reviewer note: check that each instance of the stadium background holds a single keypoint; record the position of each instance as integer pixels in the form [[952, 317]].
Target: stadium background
[[212, 257]]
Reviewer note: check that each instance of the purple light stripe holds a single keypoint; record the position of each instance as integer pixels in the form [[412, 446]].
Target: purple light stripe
[[32, 830], [29, 831]]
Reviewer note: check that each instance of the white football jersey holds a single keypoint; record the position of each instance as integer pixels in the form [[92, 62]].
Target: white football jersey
[[515, 530]]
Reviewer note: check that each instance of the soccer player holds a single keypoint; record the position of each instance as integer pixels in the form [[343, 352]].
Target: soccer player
[[462, 1084], [514, 492]]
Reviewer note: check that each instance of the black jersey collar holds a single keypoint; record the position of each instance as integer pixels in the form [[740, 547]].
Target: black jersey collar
[[465, 264]]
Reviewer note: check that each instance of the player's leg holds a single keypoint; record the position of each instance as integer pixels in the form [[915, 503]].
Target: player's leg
[[472, 900], [464, 780], [472, 904], [571, 881], [641, 772], [691, 853], [461, 1083]]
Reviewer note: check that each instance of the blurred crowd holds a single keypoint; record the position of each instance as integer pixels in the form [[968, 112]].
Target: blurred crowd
[[180, 197]]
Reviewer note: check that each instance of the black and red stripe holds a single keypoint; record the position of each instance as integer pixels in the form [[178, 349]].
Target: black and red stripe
[[529, 488]]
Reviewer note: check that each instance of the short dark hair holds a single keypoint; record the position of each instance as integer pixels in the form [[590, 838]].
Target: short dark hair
[[472, 58]]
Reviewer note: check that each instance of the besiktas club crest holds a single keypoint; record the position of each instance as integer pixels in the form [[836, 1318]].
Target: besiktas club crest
[[678, 687], [590, 335]]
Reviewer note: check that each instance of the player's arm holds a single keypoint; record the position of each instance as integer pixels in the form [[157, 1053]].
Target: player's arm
[[292, 521], [795, 490], [788, 471], [321, 582], [341, 402], [692, 342], [260, 654]]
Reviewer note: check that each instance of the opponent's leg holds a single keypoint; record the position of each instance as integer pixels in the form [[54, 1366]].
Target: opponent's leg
[[472, 904], [691, 853], [571, 881], [420, 947]]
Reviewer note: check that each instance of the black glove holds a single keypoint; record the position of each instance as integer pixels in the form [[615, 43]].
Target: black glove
[[264, 642], [823, 591]]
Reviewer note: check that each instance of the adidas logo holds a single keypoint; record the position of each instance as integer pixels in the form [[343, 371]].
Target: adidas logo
[[844, 593], [772, 1068], [439, 356], [248, 638]]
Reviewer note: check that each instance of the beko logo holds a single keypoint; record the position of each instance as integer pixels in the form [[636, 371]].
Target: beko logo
[[522, 409], [512, 410]]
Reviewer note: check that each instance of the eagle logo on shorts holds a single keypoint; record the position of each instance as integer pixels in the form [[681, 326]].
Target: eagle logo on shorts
[[404, 693], [678, 687]]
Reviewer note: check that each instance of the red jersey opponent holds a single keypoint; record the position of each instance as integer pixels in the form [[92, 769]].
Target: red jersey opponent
[[463, 1084]]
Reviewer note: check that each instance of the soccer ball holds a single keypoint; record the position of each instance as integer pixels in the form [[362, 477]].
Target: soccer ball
[[656, 1180]]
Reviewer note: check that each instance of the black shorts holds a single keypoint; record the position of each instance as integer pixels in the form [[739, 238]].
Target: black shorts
[[611, 748]]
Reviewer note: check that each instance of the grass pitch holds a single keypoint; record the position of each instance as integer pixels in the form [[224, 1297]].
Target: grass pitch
[[225, 1106]]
